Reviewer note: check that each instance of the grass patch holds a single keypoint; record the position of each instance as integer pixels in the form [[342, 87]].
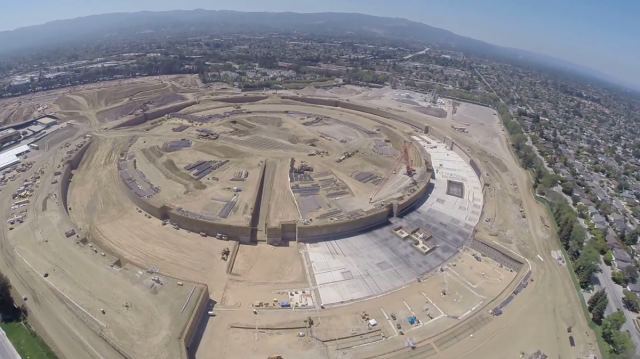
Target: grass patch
[[27, 342]]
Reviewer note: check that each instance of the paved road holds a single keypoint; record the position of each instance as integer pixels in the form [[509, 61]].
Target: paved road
[[7, 351], [614, 293]]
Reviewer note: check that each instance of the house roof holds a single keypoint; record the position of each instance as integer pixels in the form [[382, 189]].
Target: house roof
[[621, 255], [598, 218]]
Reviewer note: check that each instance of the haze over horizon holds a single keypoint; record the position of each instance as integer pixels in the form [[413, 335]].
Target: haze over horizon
[[588, 33]]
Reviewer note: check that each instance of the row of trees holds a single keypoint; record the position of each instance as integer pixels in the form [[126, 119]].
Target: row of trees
[[584, 255]]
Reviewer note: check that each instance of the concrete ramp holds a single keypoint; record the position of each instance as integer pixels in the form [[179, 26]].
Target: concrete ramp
[[267, 186]]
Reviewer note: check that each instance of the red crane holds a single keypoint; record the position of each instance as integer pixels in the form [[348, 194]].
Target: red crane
[[402, 158]]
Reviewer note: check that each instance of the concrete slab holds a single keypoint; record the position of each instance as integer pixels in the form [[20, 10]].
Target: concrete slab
[[377, 262]]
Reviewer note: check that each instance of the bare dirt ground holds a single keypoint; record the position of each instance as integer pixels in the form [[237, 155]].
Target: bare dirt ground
[[341, 331], [65, 306], [256, 264], [87, 302], [540, 314]]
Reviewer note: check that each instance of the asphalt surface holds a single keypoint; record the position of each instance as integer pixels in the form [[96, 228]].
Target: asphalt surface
[[7, 351]]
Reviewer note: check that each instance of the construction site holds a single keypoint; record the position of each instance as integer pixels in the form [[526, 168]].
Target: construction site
[[175, 223]]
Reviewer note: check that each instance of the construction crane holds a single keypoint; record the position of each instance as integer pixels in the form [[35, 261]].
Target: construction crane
[[402, 158]]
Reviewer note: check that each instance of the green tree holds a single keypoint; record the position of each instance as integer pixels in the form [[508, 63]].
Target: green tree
[[630, 300], [595, 298], [608, 258], [617, 277], [621, 344], [597, 313], [612, 323], [631, 237], [586, 265], [518, 141], [567, 188]]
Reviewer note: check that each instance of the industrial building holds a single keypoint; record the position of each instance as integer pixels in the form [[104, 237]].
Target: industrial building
[[9, 135], [10, 157], [47, 121]]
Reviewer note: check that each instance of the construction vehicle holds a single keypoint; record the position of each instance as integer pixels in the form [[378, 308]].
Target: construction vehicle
[[225, 254], [221, 236], [275, 356], [346, 155]]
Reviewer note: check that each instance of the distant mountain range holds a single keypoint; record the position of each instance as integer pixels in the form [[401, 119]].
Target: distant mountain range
[[92, 28]]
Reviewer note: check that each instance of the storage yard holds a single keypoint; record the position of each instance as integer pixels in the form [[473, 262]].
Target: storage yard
[[250, 225]]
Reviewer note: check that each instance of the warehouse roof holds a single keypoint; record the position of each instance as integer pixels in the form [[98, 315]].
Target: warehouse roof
[[10, 157], [47, 120]]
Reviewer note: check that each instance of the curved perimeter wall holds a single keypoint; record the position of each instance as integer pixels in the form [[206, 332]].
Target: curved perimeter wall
[[240, 233], [152, 115], [289, 230], [199, 312], [71, 165], [335, 230], [355, 107]]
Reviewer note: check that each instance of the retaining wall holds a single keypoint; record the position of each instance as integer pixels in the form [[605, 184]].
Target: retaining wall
[[289, 230], [257, 204], [234, 232], [152, 115], [286, 231], [72, 164], [465, 156], [355, 107], [240, 233], [274, 235], [165, 211], [341, 229], [194, 321], [408, 202], [241, 99]]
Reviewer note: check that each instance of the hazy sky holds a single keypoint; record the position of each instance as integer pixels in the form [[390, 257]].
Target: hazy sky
[[603, 35]]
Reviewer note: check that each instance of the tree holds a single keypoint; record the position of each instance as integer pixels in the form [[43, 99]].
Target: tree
[[597, 313], [8, 310], [631, 237], [612, 323], [617, 277], [608, 258], [631, 301], [595, 298], [620, 342], [586, 265], [518, 141], [567, 188]]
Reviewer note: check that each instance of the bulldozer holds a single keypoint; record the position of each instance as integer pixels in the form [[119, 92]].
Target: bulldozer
[[225, 254]]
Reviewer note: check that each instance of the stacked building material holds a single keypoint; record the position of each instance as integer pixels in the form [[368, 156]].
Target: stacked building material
[[180, 128]]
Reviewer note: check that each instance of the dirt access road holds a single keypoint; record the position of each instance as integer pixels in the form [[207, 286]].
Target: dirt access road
[[541, 314]]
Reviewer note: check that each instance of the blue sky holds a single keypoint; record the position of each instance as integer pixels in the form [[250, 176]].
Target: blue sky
[[603, 35]]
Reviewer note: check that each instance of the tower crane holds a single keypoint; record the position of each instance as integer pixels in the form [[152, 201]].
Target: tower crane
[[402, 158]]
